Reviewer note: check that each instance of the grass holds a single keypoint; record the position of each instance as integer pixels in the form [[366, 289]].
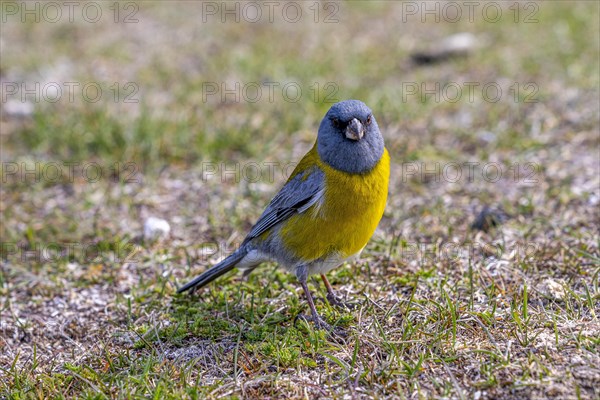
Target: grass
[[88, 307]]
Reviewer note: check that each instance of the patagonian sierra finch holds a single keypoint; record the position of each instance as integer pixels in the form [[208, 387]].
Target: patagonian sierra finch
[[327, 210]]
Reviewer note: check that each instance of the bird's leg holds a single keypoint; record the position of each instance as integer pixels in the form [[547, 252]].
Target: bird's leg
[[301, 274], [332, 298], [318, 321]]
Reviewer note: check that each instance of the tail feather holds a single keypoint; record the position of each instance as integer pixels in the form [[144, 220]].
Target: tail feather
[[213, 273]]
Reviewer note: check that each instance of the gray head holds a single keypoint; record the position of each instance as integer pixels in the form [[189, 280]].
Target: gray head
[[349, 139]]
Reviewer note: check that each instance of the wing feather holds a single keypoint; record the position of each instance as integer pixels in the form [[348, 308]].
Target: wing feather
[[296, 196]]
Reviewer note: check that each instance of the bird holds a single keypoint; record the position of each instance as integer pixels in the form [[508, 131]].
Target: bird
[[327, 210]]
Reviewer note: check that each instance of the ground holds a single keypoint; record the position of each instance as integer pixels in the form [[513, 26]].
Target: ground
[[481, 281]]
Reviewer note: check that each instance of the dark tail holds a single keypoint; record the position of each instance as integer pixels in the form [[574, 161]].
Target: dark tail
[[210, 275]]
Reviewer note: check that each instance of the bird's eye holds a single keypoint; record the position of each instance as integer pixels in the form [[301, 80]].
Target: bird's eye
[[369, 120], [336, 122]]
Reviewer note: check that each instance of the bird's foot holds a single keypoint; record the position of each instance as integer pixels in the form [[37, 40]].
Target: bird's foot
[[338, 302], [319, 323]]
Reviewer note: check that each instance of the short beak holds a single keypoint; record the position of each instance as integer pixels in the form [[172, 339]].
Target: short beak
[[355, 130]]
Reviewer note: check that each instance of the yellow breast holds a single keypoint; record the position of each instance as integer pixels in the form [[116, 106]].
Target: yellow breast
[[346, 218]]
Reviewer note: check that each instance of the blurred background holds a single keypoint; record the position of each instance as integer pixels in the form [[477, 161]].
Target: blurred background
[[129, 90], [192, 113]]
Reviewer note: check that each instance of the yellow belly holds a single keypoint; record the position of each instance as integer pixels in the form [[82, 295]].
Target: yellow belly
[[344, 221]]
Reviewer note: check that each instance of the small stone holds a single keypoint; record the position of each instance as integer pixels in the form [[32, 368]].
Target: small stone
[[489, 217], [18, 109], [554, 289], [460, 44], [156, 228]]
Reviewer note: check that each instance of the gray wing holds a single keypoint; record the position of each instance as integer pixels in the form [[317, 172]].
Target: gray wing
[[296, 196]]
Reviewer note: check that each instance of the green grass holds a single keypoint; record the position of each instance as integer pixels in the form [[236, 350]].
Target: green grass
[[88, 308]]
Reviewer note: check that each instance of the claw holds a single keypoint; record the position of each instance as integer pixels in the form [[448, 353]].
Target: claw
[[318, 322], [337, 302], [335, 332], [333, 299]]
